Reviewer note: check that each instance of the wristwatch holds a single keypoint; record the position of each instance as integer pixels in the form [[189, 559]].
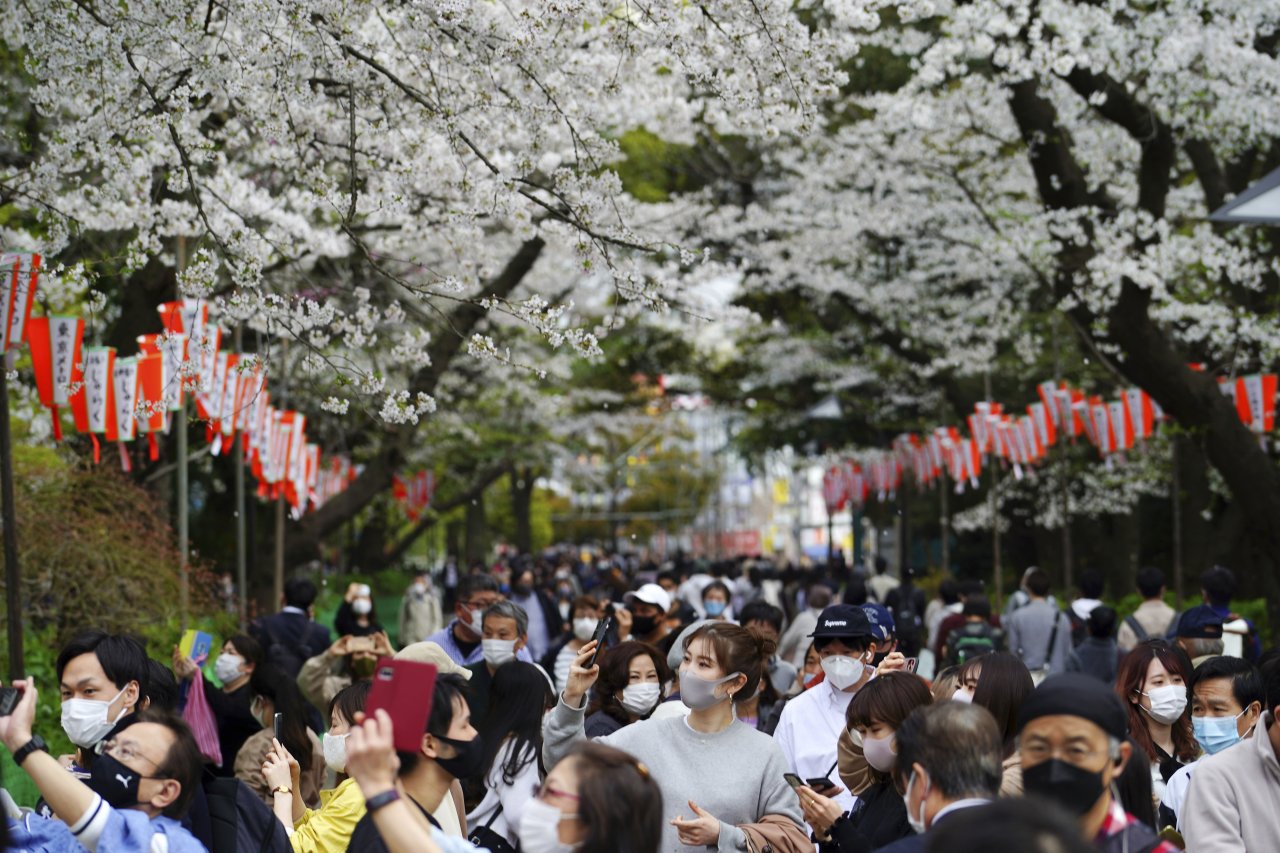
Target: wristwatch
[[282, 789], [377, 801], [31, 746]]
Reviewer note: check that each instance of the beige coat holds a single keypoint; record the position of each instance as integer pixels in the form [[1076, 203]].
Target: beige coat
[[1234, 798]]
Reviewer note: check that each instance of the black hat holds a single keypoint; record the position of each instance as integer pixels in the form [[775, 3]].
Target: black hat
[[843, 620], [1199, 623], [1076, 695]]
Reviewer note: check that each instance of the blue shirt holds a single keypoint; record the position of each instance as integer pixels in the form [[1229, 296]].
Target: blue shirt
[[103, 828]]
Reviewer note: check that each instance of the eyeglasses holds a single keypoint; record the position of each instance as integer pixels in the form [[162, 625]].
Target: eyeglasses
[[126, 752]]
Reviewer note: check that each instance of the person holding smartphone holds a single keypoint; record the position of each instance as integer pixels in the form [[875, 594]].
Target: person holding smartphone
[[875, 714], [716, 774]]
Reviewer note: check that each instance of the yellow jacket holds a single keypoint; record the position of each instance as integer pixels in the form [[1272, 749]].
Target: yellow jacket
[[328, 829]]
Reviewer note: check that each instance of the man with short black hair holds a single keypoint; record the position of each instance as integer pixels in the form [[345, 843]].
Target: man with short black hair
[[1097, 655], [1072, 737], [291, 637], [974, 638], [103, 679], [1240, 636], [1153, 617], [948, 759], [767, 620], [882, 583], [1227, 698], [795, 640], [140, 787], [1039, 633], [1234, 799]]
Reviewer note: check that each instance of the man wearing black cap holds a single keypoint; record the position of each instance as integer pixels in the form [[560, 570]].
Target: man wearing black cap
[[811, 723], [1199, 632], [1072, 737]]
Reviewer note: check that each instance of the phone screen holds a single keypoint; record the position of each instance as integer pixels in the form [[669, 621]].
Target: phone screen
[[793, 780]]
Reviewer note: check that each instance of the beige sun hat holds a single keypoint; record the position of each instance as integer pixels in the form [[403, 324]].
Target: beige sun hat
[[425, 652]]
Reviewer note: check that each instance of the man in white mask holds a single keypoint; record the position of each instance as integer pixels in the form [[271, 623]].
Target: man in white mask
[[420, 613], [504, 637], [102, 678], [811, 723]]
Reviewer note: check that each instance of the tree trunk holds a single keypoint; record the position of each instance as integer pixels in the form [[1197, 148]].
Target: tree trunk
[[305, 537], [522, 480], [477, 533]]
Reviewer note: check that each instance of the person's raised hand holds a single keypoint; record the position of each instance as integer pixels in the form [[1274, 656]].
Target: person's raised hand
[[701, 830], [382, 645], [624, 618], [581, 679], [339, 647], [275, 770], [371, 754], [894, 662], [819, 812], [15, 729], [183, 667]]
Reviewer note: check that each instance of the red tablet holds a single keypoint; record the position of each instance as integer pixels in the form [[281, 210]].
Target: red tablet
[[403, 689]]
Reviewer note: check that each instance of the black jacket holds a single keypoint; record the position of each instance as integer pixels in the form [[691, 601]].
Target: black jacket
[[302, 637]]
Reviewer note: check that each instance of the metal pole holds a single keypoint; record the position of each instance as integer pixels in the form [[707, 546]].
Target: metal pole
[[831, 541], [277, 586], [997, 570], [1063, 481], [1175, 496], [12, 575], [184, 502], [242, 570], [945, 523]]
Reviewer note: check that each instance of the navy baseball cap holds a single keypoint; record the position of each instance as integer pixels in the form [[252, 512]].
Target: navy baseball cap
[[843, 620], [1199, 623], [881, 620]]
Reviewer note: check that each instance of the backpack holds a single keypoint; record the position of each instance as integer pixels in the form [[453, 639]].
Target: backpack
[[1079, 627], [239, 821], [288, 655], [972, 640], [1136, 627]]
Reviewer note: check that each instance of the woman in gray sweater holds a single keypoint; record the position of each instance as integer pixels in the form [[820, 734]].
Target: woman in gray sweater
[[715, 772]]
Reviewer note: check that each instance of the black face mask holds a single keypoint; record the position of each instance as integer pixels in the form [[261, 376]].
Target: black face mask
[[1071, 787], [115, 783], [468, 763], [521, 589], [642, 626]]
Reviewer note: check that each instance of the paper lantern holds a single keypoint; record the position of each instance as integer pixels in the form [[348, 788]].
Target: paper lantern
[[56, 356], [94, 404], [19, 273]]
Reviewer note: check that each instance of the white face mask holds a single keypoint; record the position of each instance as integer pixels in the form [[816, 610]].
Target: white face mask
[[362, 606], [843, 671], [962, 695], [85, 720], [477, 621], [584, 628], [420, 588], [1167, 703], [498, 652], [335, 752], [228, 667], [916, 820], [879, 752], [640, 699], [540, 828]]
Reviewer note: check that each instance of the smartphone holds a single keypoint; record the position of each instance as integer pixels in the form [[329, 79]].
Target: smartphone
[[911, 664], [403, 689], [361, 644], [793, 780], [277, 723], [601, 630], [9, 697], [820, 785]]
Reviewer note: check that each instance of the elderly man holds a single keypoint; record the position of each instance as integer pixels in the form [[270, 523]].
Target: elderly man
[[1199, 632], [1072, 737], [505, 634], [949, 758]]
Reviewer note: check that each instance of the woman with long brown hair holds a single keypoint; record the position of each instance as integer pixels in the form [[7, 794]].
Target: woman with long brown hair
[[1153, 683], [1000, 682]]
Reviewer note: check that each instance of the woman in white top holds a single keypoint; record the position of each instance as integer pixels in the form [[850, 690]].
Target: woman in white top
[[586, 617], [512, 734]]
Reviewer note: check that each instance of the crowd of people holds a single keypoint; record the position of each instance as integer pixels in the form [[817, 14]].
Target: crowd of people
[[605, 705]]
